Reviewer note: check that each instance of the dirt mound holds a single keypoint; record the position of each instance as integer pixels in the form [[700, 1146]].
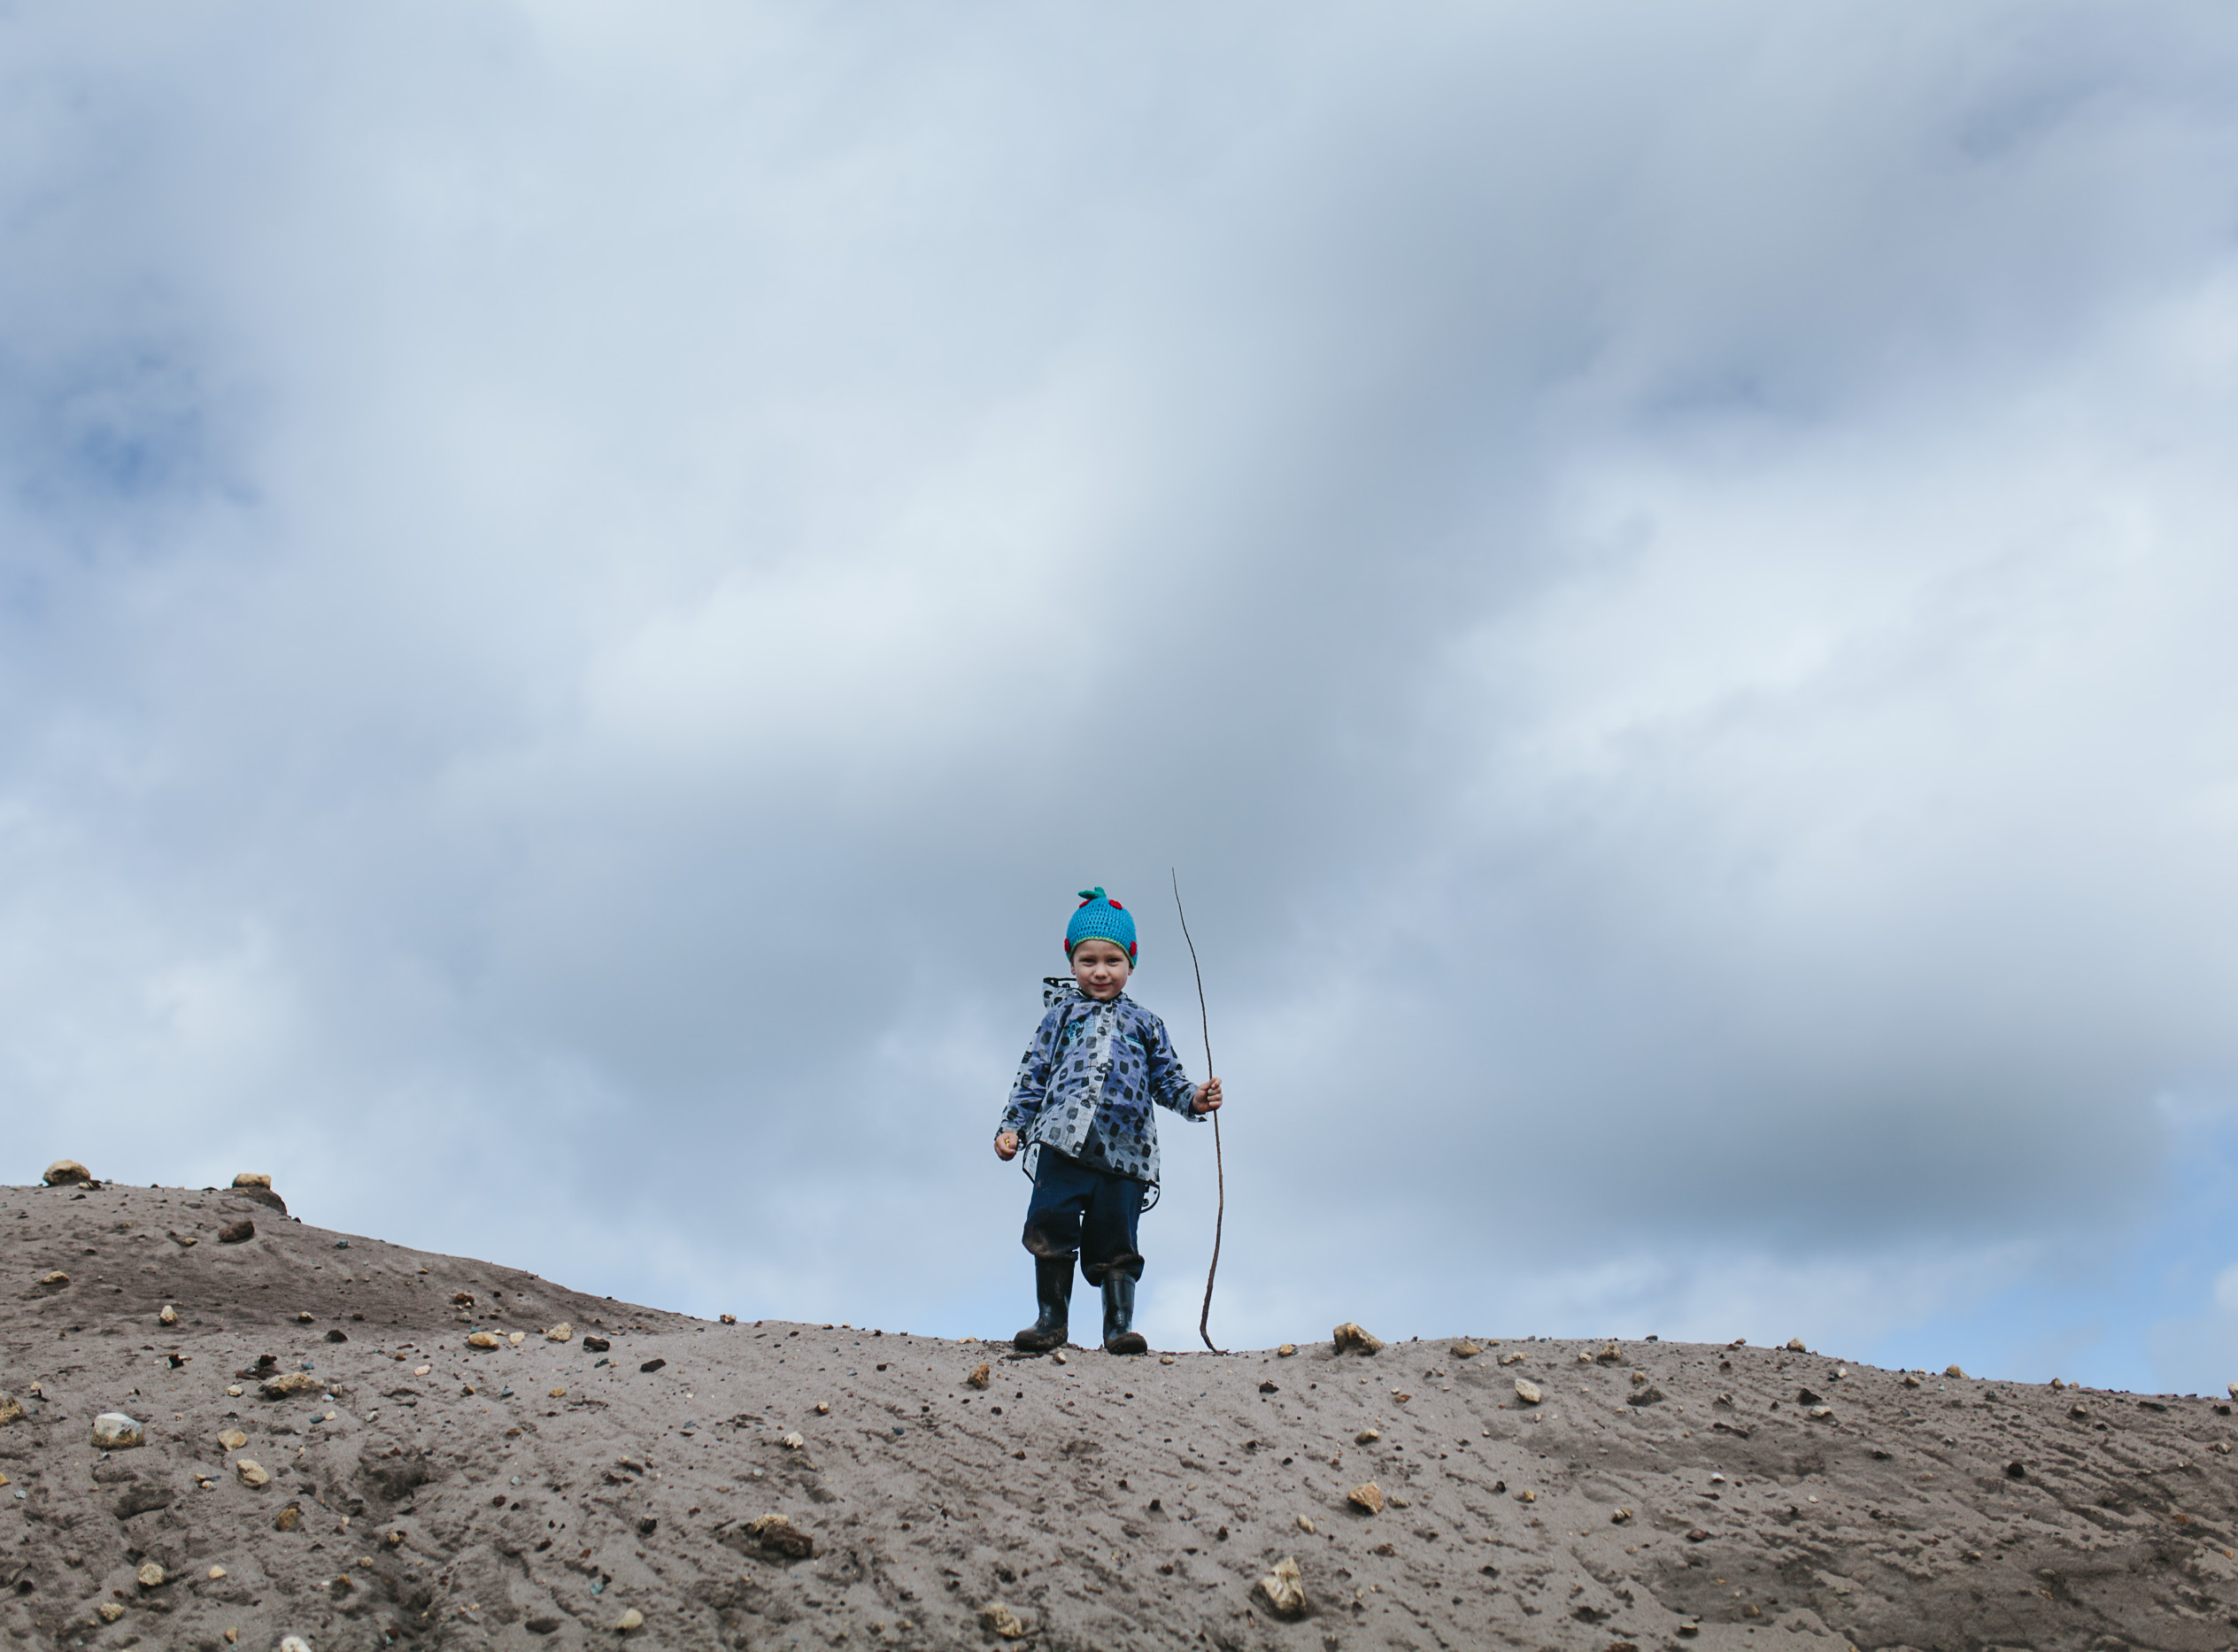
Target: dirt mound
[[541, 1493]]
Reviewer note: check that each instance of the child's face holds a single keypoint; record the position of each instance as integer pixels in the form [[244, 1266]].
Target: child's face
[[1101, 969]]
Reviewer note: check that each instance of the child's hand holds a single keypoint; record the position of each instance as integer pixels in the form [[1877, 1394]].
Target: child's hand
[[1207, 1097], [1006, 1146]]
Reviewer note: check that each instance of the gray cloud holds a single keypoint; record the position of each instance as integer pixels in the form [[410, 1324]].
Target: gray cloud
[[579, 592]]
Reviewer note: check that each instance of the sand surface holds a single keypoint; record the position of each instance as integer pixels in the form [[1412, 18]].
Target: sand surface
[[1104, 1503]]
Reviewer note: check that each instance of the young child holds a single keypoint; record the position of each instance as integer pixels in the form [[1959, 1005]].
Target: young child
[[1083, 1097]]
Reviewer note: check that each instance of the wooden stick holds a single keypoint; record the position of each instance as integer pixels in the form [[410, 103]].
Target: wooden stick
[[1220, 1166]]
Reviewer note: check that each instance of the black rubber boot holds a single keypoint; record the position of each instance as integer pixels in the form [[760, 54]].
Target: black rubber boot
[[1119, 1334], [1053, 1284]]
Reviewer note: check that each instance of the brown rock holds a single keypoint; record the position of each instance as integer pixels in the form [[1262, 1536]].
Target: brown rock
[[559, 1332], [150, 1575], [1610, 1355], [237, 1232], [1527, 1391], [1366, 1437], [291, 1383], [1367, 1497], [1513, 1357], [1285, 1350], [1465, 1349], [252, 1179], [981, 1376], [169, 1316], [66, 1173], [288, 1518], [109, 1611], [54, 1281], [253, 1474], [997, 1618], [482, 1340], [1952, 1371], [1794, 1346], [232, 1439], [10, 1409], [1284, 1588], [730, 1319], [1350, 1339]]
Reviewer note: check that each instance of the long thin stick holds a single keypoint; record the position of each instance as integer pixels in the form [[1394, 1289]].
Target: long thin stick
[[1220, 1166]]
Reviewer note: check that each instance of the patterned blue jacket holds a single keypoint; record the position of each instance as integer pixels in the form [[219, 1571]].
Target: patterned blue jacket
[[1087, 1084]]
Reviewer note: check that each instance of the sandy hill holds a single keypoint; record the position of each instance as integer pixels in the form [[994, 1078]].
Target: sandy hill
[[422, 1491]]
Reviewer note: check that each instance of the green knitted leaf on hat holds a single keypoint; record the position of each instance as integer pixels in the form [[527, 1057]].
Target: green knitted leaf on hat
[[1094, 894]]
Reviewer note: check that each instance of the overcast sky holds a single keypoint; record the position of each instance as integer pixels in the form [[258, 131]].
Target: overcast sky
[[579, 588]]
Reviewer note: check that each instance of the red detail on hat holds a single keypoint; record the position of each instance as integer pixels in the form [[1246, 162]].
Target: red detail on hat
[[1113, 905]]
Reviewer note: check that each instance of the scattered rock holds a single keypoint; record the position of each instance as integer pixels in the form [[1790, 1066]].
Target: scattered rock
[[216, 1574], [1697, 1536], [253, 1474], [66, 1173], [792, 1442], [730, 1319], [10, 1409], [1366, 1437], [559, 1332], [980, 1378], [1305, 1524], [2016, 1471], [631, 1619], [304, 1318], [1268, 1387], [653, 1365], [2078, 1411], [53, 1281], [1794, 1346], [516, 1338], [780, 1536], [232, 1439], [1527, 1391], [291, 1383], [1367, 1497], [1165, 1359], [237, 1232], [1465, 1349], [997, 1618], [252, 1179], [292, 1643], [1952, 1371], [1350, 1339], [169, 1316], [1526, 1495], [109, 1611], [288, 1518], [483, 1340], [337, 1335], [823, 1407], [150, 1575], [1285, 1350], [113, 1430], [596, 1345], [1620, 1517], [1910, 1380], [1610, 1355], [1650, 1395], [1803, 1396], [542, 1625], [1513, 1357], [1820, 1412], [1058, 1358], [1284, 1588]]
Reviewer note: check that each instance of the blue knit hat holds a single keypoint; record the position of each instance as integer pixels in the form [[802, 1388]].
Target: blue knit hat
[[1100, 918]]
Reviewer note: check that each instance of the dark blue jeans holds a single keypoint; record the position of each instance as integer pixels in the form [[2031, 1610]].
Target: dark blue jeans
[[1077, 1211]]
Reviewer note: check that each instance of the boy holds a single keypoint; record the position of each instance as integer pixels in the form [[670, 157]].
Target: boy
[[1083, 1097]]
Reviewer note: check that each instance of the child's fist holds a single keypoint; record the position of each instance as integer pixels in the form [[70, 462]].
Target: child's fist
[[1007, 1145], [1207, 1097]]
